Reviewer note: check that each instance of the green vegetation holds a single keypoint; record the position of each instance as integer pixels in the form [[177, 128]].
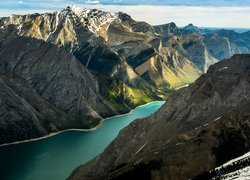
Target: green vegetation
[[123, 97], [90, 123]]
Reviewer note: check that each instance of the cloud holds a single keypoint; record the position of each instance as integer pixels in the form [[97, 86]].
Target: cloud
[[183, 15], [20, 2], [180, 2], [92, 2], [203, 16]]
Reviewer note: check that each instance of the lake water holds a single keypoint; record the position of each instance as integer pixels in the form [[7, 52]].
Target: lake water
[[54, 158]]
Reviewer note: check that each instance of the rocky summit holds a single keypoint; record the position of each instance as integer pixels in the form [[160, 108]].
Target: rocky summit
[[199, 128]]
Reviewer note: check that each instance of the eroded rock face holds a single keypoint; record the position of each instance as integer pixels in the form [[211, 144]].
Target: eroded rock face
[[40, 75], [56, 75], [24, 113], [188, 135]]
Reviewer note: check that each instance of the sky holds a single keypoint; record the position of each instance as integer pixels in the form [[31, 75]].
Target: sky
[[203, 13]]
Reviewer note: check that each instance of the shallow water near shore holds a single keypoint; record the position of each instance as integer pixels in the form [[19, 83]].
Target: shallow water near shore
[[57, 156]]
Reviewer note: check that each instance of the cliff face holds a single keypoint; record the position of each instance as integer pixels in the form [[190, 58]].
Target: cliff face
[[199, 128], [24, 113], [47, 87]]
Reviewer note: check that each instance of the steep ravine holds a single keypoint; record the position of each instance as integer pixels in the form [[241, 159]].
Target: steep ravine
[[199, 128]]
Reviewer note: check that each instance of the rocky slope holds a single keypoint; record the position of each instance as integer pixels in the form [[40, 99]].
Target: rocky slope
[[24, 113], [49, 90], [199, 128]]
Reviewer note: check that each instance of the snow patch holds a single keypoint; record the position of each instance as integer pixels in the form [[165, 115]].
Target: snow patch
[[223, 68], [49, 37], [186, 85], [180, 143], [247, 155], [216, 119], [141, 148], [242, 174], [88, 61], [206, 124], [93, 19], [137, 162], [114, 73]]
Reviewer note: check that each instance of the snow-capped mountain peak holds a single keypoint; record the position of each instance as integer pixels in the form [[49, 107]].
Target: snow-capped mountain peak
[[93, 19], [62, 27], [79, 11]]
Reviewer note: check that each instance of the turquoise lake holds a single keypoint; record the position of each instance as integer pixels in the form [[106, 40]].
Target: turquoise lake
[[54, 158]]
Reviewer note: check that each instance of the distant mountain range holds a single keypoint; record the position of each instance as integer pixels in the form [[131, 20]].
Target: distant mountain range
[[207, 30], [70, 69]]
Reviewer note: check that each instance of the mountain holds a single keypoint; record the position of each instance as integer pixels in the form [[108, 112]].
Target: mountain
[[225, 43], [195, 29], [199, 128], [97, 38], [140, 55], [167, 29], [46, 89], [112, 44], [192, 28], [105, 63], [221, 43]]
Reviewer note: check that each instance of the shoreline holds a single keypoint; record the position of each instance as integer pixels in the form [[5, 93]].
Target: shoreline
[[74, 129]]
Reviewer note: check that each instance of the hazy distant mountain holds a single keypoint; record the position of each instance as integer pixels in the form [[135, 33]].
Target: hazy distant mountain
[[167, 29], [196, 29], [225, 43], [199, 128]]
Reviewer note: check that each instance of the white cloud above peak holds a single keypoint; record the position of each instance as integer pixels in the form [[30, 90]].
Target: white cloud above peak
[[92, 2]]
